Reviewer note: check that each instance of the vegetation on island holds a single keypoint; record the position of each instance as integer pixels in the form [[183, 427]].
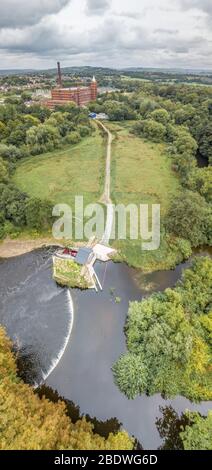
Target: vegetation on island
[[32, 423], [169, 340], [68, 273]]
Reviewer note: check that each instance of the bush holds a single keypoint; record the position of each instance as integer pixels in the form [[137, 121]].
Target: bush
[[160, 115], [73, 138], [151, 130], [190, 217], [84, 131], [38, 214], [130, 375]]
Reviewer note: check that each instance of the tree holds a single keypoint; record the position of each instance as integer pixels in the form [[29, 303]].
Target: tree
[[31, 423], [73, 138], [119, 111], [151, 130], [3, 130], [160, 115], [185, 143], [184, 114], [38, 214], [147, 105], [12, 204], [4, 175], [40, 112], [130, 375], [42, 138], [26, 96], [168, 342], [205, 141], [2, 228], [200, 180], [30, 121], [10, 152], [17, 137], [84, 131], [197, 434], [190, 217]]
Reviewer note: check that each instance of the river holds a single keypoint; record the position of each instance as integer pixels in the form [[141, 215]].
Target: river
[[70, 339]]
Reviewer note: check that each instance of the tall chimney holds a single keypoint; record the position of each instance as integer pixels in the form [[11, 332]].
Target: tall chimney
[[59, 75]]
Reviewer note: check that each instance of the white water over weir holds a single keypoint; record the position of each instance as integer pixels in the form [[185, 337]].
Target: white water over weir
[[60, 354]]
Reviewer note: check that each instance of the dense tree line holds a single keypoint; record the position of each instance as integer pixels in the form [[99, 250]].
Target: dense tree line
[[179, 116], [35, 129], [32, 423], [26, 131], [169, 340]]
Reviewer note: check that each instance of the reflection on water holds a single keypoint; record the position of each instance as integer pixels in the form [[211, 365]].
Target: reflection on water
[[104, 428], [169, 426], [36, 314]]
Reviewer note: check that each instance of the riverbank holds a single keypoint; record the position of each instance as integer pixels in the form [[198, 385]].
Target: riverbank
[[10, 248]]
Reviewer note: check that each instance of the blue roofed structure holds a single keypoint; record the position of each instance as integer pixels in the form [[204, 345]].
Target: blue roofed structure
[[84, 256]]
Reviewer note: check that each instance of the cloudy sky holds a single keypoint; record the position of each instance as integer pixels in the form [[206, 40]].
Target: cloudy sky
[[116, 33]]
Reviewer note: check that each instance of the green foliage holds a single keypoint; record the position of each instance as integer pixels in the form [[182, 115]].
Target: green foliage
[[197, 434], [190, 217], [185, 144], [2, 226], [184, 114], [147, 105], [19, 211], [73, 138], [130, 374], [42, 138], [10, 152], [205, 141], [3, 130], [84, 131], [160, 115], [4, 175], [12, 204], [168, 345], [31, 423], [150, 129], [119, 111], [68, 273], [200, 180], [38, 214]]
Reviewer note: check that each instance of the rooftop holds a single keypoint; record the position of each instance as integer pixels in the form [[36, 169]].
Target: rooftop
[[83, 255]]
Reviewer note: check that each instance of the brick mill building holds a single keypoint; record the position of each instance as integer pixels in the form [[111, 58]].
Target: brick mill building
[[80, 95]]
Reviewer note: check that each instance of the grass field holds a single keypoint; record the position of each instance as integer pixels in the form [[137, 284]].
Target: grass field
[[141, 170], [142, 174], [60, 175]]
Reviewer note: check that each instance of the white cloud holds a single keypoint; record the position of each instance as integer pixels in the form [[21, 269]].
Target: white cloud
[[97, 7], [25, 12], [113, 33]]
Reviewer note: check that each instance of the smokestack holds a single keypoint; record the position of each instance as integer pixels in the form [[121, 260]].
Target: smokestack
[[59, 75]]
